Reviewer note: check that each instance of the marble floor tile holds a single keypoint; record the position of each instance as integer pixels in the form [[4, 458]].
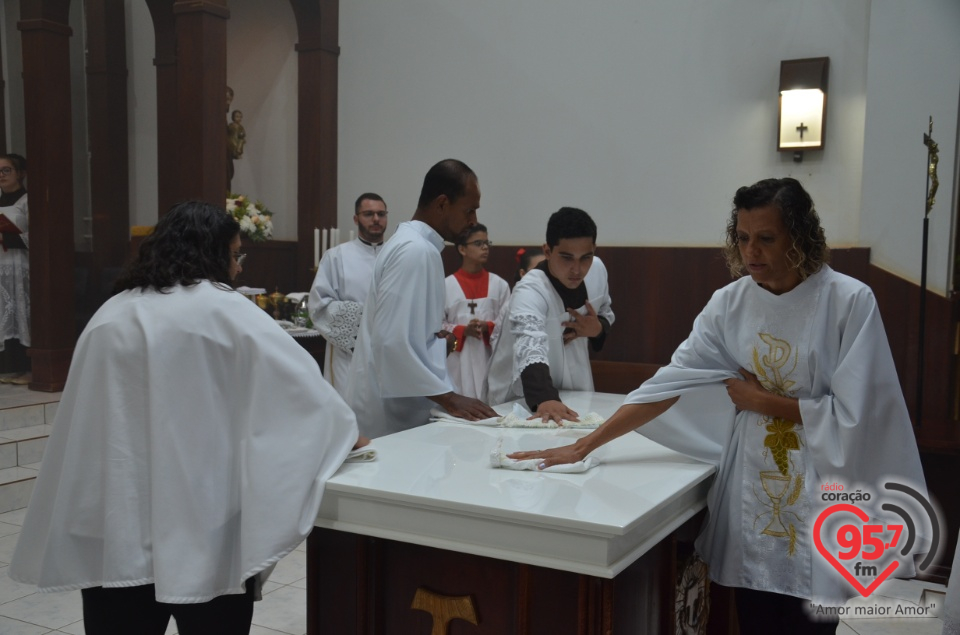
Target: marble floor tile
[[300, 584], [53, 610], [21, 417], [11, 590], [7, 545], [7, 528], [27, 432], [260, 630], [283, 610], [292, 568], [14, 517], [16, 627]]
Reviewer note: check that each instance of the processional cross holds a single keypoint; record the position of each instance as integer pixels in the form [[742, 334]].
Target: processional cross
[[801, 129]]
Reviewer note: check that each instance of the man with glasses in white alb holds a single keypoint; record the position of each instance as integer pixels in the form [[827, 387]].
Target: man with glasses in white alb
[[340, 289]]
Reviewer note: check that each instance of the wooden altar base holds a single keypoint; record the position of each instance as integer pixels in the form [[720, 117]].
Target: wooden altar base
[[366, 586]]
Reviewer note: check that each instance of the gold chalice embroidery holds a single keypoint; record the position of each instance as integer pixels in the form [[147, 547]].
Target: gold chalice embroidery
[[773, 373]]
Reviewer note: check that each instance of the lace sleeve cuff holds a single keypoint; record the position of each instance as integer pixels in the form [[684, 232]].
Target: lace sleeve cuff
[[339, 323], [530, 345]]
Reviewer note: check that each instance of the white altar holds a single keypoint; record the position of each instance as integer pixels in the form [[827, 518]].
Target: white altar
[[433, 486]]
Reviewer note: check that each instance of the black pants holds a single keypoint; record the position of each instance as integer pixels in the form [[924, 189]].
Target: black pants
[[135, 610], [763, 613]]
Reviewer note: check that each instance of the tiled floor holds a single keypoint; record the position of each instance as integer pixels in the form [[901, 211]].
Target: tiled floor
[[24, 611]]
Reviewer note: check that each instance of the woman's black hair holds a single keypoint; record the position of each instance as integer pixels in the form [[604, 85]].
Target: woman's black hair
[[190, 243]]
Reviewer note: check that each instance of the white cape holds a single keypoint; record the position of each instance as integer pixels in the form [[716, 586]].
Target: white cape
[[823, 343], [190, 450]]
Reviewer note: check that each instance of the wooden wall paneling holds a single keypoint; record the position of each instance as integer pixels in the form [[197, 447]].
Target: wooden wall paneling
[[3, 103], [899, 302], [45, 33], [318, 53], [108, 138], [165, 62], [657, 292], [201, 35], [271, 265]]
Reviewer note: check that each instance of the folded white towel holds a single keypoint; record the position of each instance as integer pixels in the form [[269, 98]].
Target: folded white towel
[[499, 459], [362, 455], [519, 418]]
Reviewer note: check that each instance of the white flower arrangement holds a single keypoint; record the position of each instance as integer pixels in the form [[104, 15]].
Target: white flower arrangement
[[254, 218]]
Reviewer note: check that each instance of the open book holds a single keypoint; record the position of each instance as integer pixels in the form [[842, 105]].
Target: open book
[[12, 239]]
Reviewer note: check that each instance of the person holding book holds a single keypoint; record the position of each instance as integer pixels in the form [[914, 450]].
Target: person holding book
[[14, 271]]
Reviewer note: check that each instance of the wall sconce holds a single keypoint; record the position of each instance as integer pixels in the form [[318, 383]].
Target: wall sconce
[[803, 105]]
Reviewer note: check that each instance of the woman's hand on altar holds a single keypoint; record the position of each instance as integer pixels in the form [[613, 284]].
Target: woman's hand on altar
[[361, 442], [556, 456], [554, 410], [582, 325]]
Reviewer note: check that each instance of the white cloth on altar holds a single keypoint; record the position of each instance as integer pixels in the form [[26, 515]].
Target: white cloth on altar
[[399, 361], [824, 344], [15, 279], [467, 367], [190, 450], [336, 302], [535, 335]]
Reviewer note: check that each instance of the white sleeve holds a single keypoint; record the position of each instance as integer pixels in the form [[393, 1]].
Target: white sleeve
[[337, 320], [528, 324]]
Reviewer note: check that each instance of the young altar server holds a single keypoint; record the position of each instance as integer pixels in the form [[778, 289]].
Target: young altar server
[[191, 447], [785, 383], [341, 285], [558, 311], [399, 368], [475, 298]]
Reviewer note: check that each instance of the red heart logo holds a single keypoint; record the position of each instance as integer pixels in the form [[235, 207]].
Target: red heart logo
[[862, 515]]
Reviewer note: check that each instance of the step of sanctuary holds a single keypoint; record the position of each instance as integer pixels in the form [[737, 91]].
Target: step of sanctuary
[[25, 418]]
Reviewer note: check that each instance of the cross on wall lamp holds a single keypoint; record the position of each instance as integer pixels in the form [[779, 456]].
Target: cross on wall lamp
[[803, 105]]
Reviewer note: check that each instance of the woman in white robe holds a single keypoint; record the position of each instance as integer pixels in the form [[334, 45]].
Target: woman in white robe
[[785, 383], [190, 449], [475, 300]]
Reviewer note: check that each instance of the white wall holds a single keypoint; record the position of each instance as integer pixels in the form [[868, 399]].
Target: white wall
[[141, 113], [262, 70], [913, 73], [647, 114]]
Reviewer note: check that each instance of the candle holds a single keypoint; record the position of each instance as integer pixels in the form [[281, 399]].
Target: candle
[[334, 237], [323, 242], [352, 235], [316, 246]]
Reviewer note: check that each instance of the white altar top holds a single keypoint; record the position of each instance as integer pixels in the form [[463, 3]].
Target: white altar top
[[433, 486]]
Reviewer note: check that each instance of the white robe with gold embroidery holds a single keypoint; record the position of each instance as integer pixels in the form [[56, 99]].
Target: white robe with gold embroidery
[[824, 344]]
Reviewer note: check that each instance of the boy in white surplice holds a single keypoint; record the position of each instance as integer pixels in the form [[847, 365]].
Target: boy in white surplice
[[555, 310], [475, 298]]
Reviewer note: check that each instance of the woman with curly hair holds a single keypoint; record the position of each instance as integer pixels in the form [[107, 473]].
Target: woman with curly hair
[[191, 446], [786, 382]]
